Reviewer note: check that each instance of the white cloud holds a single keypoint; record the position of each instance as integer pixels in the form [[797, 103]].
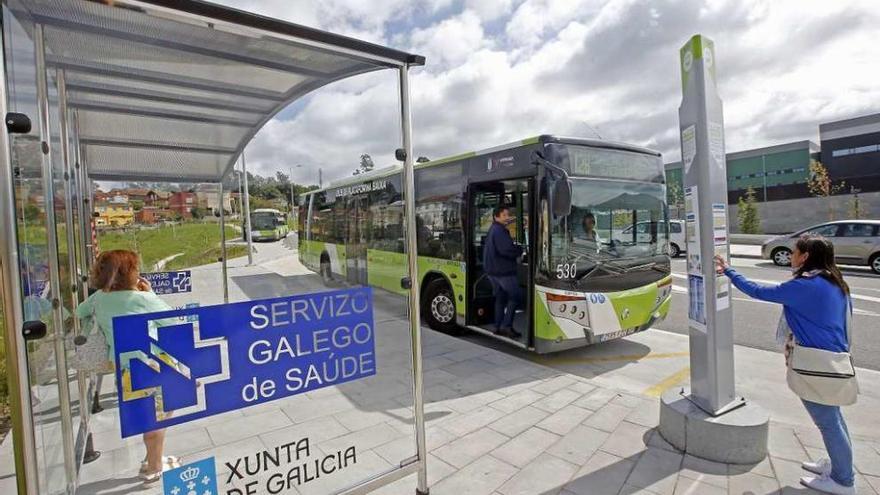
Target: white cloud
[[451, 41], [535, 19], [504, 71], [490, 10]]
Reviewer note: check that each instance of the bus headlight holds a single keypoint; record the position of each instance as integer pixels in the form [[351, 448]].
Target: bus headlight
[[570, 307], [664, 288]]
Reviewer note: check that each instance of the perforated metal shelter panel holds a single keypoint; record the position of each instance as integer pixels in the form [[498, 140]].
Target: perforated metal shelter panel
[[174, 94]]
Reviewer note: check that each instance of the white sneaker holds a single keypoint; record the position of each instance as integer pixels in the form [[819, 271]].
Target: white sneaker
[[822, 466], [825, 484]]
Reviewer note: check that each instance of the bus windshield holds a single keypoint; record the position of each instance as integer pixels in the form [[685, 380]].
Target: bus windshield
[[264, 220], [615, 228]]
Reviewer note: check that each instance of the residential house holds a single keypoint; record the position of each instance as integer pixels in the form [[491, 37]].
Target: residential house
[[182, 203], [114, 215]]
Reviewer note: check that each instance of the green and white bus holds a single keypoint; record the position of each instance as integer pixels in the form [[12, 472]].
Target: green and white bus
[[268, 224], [578, 290]]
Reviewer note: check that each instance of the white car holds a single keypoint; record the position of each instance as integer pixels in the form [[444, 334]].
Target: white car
[[677, 243]]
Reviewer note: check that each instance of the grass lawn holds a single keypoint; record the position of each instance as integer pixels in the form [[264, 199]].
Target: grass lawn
[[199, 243]]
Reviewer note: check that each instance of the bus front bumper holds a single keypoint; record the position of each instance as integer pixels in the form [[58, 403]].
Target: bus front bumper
[[544, 346]]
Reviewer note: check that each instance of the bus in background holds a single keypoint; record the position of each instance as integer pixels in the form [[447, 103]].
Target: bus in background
[[579, 288], [268, 224]]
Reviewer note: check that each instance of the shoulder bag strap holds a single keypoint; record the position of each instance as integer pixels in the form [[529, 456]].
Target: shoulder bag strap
[[849, 311]]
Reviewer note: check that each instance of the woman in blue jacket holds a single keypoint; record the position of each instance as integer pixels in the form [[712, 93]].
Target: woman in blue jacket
[[815, 302]]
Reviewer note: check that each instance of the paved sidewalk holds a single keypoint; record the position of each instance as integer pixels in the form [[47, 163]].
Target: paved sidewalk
[[558, 433]]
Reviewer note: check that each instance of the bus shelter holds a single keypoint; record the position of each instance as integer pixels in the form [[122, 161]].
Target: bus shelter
[[173, 91]]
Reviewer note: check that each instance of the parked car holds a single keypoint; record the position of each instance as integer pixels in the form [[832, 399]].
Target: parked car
[[856, 242], [677, 241]]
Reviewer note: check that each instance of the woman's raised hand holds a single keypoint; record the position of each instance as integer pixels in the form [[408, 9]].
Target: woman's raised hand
[[720, 265]]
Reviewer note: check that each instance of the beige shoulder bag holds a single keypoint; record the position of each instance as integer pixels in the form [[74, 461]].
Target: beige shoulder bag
[[824, 377]]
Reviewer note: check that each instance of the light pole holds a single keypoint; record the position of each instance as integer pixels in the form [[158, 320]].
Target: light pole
[[247, 212], [240, 198]]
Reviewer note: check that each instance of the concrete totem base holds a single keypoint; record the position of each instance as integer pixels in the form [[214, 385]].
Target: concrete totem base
[[738, 436]]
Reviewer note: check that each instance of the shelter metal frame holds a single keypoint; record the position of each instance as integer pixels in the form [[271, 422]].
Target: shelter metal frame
[[97, 87]]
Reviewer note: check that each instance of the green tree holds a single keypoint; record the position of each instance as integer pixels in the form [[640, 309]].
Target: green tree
[[622, 219], [856, 210], [198, 213], [366, 165], [675, 197], [747, 213], [32, 212], [822, 186]]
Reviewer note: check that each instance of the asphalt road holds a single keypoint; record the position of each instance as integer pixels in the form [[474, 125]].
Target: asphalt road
[[755, 322]]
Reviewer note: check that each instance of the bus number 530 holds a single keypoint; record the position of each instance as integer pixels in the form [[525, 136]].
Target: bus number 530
[[566, 270]]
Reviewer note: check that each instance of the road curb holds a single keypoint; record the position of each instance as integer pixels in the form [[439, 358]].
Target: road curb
[[750, 256]]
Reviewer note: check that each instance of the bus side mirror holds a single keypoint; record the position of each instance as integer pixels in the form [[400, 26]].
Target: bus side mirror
[[562, 198]]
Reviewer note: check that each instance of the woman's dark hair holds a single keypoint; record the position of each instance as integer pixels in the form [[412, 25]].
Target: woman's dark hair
[[588, 216], [820, 256]]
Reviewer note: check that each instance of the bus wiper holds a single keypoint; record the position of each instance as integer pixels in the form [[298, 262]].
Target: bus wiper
[[599, 265], [652, 265]]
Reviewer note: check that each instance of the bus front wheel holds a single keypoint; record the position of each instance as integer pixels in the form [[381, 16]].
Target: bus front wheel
[[439, 307]]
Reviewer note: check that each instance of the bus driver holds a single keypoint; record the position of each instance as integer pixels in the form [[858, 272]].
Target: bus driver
[[590, 237]]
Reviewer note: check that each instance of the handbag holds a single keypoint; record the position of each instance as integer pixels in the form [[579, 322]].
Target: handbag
[[90, 353], [822, 376]]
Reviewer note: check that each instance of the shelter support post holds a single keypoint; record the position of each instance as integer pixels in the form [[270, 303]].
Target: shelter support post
[[223, 246], [247, 212], [52, 250], [79, 290], [23, 435], [413, 271], [68, 190], [85, 209]]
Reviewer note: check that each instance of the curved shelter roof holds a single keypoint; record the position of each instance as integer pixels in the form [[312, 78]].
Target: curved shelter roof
[[173, 90]]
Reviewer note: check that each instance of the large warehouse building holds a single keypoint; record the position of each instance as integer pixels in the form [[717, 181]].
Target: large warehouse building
[[775, 172], [849, 150]]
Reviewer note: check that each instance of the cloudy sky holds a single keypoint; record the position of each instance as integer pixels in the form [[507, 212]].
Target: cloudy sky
[[502, 70]]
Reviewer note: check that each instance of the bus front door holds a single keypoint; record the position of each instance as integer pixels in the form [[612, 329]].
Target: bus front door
[[483, 198]]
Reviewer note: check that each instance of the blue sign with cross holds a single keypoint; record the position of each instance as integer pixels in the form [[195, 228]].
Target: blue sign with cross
[[164, 283], [181, 365], [196, 478]]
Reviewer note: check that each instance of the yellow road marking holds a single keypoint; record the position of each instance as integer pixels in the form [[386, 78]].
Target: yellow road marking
[[670, 381], [611, 359]]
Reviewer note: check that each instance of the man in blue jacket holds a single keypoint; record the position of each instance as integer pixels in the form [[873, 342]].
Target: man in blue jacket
[[500, 256]]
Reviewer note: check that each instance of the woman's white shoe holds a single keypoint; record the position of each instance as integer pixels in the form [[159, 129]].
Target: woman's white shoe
[[822, 466], [825, 484]]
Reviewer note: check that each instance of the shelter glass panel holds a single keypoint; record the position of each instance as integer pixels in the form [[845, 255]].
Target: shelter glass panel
[[31, 198]]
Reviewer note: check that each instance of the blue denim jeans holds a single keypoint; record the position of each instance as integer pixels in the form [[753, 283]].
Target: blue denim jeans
[[508, 297], [835, 434]]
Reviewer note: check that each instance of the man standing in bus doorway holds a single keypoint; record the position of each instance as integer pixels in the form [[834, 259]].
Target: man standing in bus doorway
[[500, 256]]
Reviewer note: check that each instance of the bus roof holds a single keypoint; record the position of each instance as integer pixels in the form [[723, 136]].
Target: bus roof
[[544, 138]]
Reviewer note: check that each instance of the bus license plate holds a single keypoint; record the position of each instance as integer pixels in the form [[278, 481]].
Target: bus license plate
[[615, 335]]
